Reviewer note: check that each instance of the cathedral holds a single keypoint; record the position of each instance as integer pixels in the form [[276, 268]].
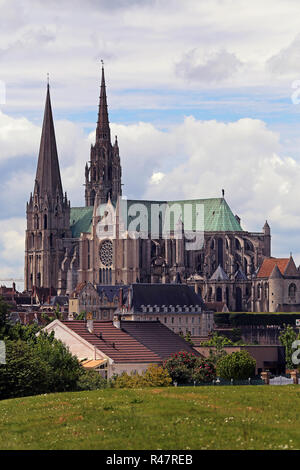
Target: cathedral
[[65, 246]]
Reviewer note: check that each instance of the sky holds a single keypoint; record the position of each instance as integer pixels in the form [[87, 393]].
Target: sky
[[203, 96]]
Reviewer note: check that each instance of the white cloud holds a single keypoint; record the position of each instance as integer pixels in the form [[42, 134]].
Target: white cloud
[[18, 136], [12, 247], [214, 66], [157, 177], [286, 61]]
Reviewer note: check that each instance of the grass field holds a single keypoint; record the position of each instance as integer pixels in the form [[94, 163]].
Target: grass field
[[220, 417]]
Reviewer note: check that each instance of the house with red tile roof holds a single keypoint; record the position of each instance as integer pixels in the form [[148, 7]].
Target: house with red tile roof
[[118, 346], [276, 287]]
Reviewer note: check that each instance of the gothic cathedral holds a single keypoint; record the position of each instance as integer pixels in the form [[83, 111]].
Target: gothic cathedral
[[64, 246]]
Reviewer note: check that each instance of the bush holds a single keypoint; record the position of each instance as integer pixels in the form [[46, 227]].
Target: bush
[[154, 376], [238, 365], [204, 371], [180, 366], [91, 380]]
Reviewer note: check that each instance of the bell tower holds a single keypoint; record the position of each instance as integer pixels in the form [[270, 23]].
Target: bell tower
[[103, 171], [48, 213]]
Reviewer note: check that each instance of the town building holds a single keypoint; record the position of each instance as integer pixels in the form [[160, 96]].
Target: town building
[[117, 346], [276, 287], [177, 306]]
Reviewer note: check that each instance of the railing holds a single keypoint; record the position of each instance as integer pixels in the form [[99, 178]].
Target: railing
[[219, 381]]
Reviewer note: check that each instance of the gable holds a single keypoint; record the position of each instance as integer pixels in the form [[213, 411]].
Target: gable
[[291, 269], [268, 265]]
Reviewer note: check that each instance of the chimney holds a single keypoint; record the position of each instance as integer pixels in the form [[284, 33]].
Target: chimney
[[89, 322], [70, 316], [120, 298], [117, 321]]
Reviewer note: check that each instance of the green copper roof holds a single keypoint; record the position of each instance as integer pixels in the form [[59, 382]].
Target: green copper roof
[[218, 216], [80, 220]]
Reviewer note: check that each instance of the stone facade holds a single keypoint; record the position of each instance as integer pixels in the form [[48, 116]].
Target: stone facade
[[276, 288]]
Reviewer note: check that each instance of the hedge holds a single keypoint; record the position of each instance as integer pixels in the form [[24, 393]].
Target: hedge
[[250, 319]]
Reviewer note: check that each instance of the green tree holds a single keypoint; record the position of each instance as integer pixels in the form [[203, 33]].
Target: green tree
[[218, 343], [287, 337], [187, 337], [81, 315], [4, 323], [238, 365], [55, 315], [24, 372], [41, 364]]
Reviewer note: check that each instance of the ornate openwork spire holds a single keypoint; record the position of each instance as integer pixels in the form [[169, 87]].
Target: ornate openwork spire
[[103, 130]]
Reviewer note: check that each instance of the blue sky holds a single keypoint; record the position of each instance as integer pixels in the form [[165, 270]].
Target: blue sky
[[199, 93]]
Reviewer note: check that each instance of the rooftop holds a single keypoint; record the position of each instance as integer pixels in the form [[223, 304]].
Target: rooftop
[[134, 342]]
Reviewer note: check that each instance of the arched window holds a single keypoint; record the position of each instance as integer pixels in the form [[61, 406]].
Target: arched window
[[219, 294], [45, 222], [292, 290], [258, 291], [237, 244], [245, 266], [93, 195], [239, 303], [36, 222], [209, 294], [220, 251]]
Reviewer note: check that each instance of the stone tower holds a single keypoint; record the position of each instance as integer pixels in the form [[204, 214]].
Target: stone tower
[[103, 172], [48, 213]]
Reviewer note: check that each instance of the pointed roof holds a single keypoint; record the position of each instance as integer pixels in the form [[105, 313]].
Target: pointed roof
[[275, 274], [103, 129], [240, 275], [219, 275], [48, 174], [268, 265]]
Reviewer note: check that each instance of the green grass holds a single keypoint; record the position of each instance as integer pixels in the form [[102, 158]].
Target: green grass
[[220, 417]]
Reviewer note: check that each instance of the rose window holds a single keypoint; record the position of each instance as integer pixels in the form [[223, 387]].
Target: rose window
[[106, 253]]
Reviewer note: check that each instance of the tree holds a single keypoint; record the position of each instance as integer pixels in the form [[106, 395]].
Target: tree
[[4, 323], [238, 365], [24, 372], [287, 337], [217, 342], [187, 337], [41, 364], [55, 315]]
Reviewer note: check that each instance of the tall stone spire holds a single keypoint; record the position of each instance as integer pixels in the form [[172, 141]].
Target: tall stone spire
[[48, 178], [48, 215], [103, 172], [103, 129]]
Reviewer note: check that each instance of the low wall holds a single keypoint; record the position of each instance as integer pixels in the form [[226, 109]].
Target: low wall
[[267, 357]]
